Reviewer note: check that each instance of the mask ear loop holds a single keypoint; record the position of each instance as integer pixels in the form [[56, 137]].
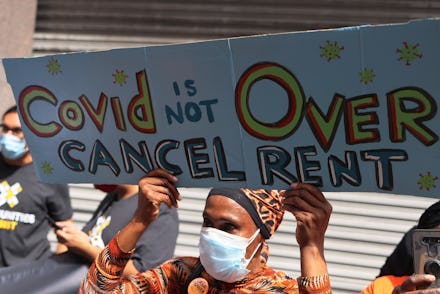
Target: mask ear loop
[[26, 146], [245, 261]]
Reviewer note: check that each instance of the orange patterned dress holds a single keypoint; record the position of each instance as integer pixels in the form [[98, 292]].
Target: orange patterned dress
[[171, 277]]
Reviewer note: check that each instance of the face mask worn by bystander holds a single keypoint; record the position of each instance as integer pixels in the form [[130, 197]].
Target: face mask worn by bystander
[[12, 147], [223, 255]]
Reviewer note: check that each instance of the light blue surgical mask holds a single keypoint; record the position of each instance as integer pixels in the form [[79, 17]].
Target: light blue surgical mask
[[223, 255], [12, 147]]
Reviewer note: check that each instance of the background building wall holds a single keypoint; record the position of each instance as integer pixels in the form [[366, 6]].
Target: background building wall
[[17, 24]]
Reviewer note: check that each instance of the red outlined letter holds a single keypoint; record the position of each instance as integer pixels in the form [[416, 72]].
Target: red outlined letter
[[280, 75]]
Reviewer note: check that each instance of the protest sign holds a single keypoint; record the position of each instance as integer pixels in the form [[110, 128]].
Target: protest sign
[[350, 109]]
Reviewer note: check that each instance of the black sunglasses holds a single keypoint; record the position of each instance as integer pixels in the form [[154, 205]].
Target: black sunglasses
[[5, 129]]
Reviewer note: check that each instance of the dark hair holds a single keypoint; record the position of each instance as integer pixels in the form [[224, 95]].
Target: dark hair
[[431, 217], [12, 109], [400, 262]]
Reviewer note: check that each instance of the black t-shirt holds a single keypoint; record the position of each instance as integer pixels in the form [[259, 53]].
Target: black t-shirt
[[156, 244], [24, 204]]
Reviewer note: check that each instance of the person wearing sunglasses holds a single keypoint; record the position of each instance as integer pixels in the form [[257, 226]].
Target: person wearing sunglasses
[[26, 204]]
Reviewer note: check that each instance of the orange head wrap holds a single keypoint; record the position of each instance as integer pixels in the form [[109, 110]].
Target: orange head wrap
[[264, 206]]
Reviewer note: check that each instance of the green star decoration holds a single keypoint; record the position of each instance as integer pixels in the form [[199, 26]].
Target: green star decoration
[[119, 77], [331, 51], [409, 53], [47, 168], [427, 182], [367, 75], [53, 66]]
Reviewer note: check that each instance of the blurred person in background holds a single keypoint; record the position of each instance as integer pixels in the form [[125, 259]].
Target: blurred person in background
[[397, 272], [27, 206], [156, 245], [62, 273]]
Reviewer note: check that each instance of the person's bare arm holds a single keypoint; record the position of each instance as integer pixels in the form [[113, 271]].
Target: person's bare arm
[[76, 240], [156, 188], [129, 269], [60, 246], [312, 212]]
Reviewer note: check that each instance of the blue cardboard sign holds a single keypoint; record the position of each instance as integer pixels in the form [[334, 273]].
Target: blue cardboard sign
[[351, 109]]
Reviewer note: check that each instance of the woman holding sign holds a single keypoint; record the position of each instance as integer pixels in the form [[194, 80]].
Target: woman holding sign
[[233, 249]]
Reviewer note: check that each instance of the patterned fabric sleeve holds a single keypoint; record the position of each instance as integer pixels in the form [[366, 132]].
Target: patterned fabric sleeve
[[105, 273], [104, 276]]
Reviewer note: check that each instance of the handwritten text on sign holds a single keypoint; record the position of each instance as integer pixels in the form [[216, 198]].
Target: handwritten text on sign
[[332, 108]]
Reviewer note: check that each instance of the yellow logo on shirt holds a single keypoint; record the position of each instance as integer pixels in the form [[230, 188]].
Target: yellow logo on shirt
[[9, 220], [95, 234], [8, 194], [8, 225]]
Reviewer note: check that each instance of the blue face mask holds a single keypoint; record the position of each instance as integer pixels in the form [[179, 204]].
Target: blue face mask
[[12, 147], [223, 255]]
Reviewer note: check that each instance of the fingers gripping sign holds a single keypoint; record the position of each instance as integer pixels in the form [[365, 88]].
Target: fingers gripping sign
[[311, 210], [157, 187]]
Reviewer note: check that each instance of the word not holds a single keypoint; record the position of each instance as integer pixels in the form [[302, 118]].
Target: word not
[[193, 111]]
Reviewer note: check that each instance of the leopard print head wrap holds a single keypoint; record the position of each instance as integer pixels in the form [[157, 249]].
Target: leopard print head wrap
[[264, 206]]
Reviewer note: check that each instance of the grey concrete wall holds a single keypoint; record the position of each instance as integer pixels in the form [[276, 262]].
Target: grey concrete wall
[[17, 26]]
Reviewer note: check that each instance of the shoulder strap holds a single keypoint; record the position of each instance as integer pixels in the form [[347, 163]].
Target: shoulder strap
[[198, 269], [104, 204]]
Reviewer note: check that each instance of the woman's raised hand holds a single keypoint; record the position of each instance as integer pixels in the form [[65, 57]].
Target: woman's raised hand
[[311, 210], [157, 187]]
